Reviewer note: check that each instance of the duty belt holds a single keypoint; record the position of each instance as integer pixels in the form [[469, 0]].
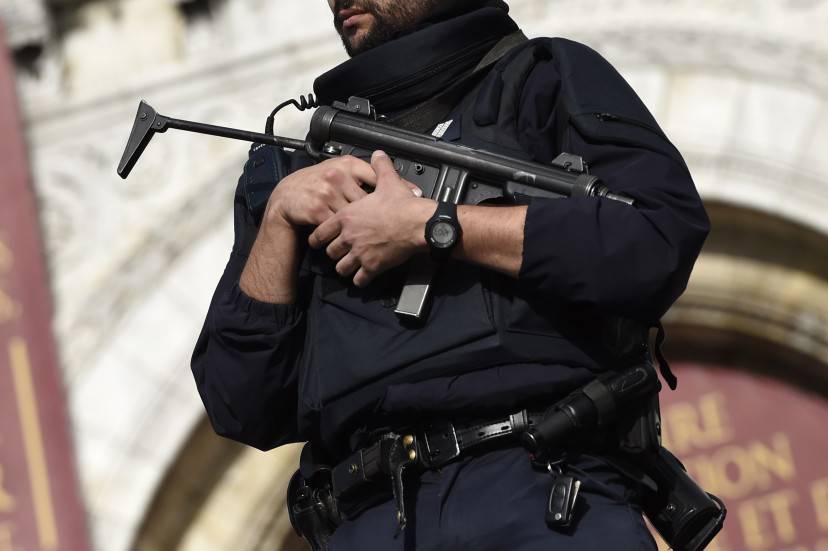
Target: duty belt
[[428, 448]]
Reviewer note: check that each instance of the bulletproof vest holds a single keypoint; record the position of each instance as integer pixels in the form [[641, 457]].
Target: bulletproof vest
[[356, 345], [488, 119]]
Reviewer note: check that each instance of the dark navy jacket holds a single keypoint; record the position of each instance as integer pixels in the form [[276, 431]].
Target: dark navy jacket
[[339, 359]]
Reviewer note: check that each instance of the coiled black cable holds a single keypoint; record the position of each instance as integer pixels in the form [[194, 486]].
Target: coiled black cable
[[302, 104]]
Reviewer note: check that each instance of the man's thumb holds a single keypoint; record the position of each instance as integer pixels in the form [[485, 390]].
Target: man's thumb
[[383, 166], [385, 171]]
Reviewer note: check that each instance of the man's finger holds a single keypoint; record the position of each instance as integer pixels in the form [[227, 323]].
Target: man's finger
[[414, 189], [363, 172], [339, 201], [353, 192], [325, 233], [348, 265], [322, 217], [363, 277], [382, 165], [337, 249]]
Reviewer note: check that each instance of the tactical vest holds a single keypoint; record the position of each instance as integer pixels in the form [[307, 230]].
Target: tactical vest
[[479, 319]]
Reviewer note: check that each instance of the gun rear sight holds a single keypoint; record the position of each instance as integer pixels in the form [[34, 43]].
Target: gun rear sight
[[149, 122]]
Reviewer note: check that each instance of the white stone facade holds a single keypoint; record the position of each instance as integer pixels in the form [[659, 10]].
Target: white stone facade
[[26, 22], [741, 86]]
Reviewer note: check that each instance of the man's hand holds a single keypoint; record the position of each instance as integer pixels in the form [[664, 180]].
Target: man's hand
[[310, 196], [307, 197], [377, 232]]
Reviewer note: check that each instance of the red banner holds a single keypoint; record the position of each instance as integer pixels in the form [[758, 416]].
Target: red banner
[[760, 445], [39, 505]]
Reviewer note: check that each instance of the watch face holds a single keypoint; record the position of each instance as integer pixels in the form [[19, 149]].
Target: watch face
[[443, 234]]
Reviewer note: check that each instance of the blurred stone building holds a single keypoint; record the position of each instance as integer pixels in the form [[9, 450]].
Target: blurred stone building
[[741, 86]]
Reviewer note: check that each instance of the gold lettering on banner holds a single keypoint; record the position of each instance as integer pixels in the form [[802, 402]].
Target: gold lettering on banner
[[819, 545], [33, 444], [9, 309], [697, 425], [768, 519], [752, 525], [819, 497], [6, 257], [779, 504], [7, 537], [7, 501], [736, 471], [774, 460]]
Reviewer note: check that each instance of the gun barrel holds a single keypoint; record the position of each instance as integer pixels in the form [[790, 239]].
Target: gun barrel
[[332, 125]]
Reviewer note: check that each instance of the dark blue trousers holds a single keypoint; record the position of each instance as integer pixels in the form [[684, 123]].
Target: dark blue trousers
[[496, 502]]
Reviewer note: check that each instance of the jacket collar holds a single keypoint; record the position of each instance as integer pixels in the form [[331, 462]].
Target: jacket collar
[[416, 66]]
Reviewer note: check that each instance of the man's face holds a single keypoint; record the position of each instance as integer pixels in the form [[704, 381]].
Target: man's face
[[366, 24]]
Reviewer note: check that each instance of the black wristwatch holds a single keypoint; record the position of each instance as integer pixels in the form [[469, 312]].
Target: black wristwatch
[[442, 231]]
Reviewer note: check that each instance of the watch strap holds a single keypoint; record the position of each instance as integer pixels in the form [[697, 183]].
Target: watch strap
[[446, 212], [446, 208]]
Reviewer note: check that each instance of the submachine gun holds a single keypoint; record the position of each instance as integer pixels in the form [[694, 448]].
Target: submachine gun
[[684, 514], [443, 171]]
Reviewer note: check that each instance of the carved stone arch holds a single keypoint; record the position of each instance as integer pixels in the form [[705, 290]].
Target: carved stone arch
[[154, 392], [175, 233], [215, 493], [758, 297], [758, 301], [221, 495]]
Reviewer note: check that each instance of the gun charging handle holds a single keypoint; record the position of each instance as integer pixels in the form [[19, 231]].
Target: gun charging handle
[[592, 406], [149, 122]]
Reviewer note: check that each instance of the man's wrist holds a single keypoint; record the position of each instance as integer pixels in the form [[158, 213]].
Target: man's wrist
[[270, 272], [421, 213], [275, 222], [492, 237]]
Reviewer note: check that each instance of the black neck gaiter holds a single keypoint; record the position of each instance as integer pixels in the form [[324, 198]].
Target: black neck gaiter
[[410, 69]]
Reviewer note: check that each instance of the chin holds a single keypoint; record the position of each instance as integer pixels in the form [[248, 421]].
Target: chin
[[356, 41], [357, 36]]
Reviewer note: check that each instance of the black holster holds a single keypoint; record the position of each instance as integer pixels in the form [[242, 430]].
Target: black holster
[[312, 508], [687, 517], [617, 414]]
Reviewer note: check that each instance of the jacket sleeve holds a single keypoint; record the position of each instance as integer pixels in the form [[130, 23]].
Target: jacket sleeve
[[599, 253], [245, 361]]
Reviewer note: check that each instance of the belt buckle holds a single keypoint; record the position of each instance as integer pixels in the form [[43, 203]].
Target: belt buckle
[[441, 444]]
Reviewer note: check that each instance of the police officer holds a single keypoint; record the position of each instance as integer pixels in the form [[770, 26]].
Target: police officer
[[301, 342]]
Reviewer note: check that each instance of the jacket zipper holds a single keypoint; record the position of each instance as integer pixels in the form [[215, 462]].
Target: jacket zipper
[[609, 117]]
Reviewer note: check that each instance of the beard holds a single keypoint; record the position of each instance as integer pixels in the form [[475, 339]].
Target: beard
[[391, 19]]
